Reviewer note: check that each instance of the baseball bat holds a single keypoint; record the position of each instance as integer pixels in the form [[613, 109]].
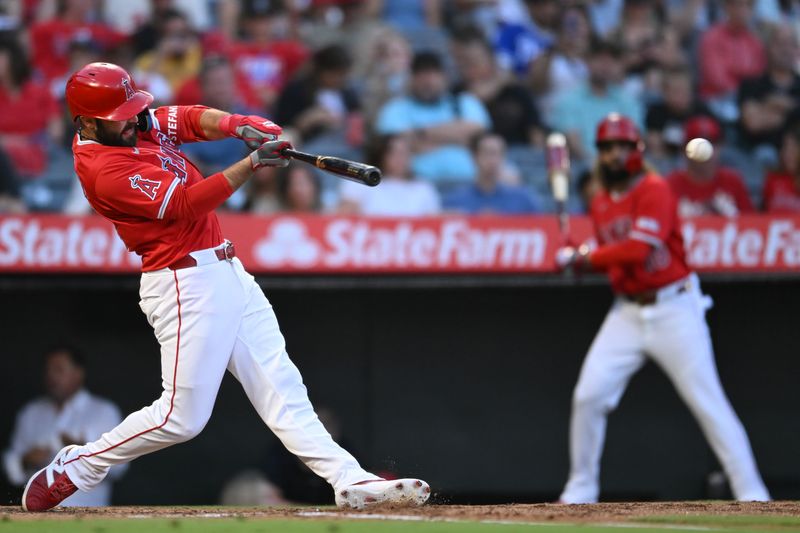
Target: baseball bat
[[349, 170], [557, 155]]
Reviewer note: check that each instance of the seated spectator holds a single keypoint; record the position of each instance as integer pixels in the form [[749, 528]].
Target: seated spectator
[[157, 12], [68, 414], [665, 121], [487, 194], [398, 193], [782, 186], [729, 53], [706, 188], [648, 47], [177, 55], [218, 90], [299, 189], [320, 103], [578, 111], [519, 43], [73, 20], [29, 116], [440, 123], [511, 108], [262, 194], [562, 67], [265, 60], [387, 75], [766, 102]]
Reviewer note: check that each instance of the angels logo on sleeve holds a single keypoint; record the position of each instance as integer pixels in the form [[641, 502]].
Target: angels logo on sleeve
[[148, 187]]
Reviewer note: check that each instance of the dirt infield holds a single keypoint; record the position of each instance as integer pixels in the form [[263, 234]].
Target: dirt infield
[[546, 512]]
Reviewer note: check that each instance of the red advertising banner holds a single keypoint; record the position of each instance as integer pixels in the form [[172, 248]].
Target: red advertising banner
[[347, 245]]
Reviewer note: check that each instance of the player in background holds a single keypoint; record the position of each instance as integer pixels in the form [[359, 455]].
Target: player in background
[[208, 313], [658, 313]]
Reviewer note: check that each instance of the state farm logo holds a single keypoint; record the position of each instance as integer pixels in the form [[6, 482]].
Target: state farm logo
[[287, 243], [450, 244]]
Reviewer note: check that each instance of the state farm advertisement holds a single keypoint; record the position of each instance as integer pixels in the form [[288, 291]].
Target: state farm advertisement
[[350, 245]]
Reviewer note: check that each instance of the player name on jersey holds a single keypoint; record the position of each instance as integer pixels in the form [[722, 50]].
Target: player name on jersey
[[346, 245]]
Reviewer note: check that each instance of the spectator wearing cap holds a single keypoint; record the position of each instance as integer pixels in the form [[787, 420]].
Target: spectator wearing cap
[[729, 53], [578, 110], [665, 121], [29, 115], [264, 58], [177, 56], [782, 186], [67, 414], [439, 122], [706, 188], [519, 43], [765, 102], [50, 39], [487, 195]]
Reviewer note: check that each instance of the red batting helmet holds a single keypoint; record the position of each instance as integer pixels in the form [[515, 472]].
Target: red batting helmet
[[617, 127], [105, 91]]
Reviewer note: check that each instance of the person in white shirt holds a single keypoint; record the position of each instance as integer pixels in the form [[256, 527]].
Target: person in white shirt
[[398, 193], [67, 414]]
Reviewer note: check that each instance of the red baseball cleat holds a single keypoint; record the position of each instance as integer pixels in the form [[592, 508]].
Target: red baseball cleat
[[395, 491], [49, 486]]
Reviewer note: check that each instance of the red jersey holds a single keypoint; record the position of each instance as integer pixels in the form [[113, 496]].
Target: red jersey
[[50, 41], [268, 66], [781, 194], [725, 194], [143, 189], [647, 212], [24, 118]]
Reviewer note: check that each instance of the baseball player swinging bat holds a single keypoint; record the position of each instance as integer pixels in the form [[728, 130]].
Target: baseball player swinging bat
[[349, 170]]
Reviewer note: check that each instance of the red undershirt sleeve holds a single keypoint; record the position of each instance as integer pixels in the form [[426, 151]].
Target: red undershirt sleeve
[[619, 253], [196, 200]]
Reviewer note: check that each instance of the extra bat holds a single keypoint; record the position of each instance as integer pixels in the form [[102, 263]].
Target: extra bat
[[349, 170], [557, 155]]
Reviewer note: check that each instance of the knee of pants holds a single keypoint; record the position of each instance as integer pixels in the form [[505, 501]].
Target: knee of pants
[[186, 424], [592, 398]]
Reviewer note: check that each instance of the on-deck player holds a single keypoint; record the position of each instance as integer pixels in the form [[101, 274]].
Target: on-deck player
[[659, 312], [207, 312]]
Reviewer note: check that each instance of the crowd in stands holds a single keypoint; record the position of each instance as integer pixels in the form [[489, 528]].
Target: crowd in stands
[[453, 99]]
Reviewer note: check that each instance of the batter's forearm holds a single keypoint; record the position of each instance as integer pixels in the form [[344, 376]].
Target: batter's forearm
[[209, 122], [238, 173], [619, 253]]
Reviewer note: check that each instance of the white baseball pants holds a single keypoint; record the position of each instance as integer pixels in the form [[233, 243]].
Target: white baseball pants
[[209, 319], [674, 334]]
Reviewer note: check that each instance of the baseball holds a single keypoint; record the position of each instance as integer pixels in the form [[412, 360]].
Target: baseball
[[699, 150]]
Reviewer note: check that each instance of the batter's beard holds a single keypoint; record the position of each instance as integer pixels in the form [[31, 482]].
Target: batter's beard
[[612, 177], [114, 139]]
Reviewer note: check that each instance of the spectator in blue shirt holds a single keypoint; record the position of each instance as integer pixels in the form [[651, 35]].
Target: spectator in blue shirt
[[518, 44], [487, 194], [577, 112], [439, 123]]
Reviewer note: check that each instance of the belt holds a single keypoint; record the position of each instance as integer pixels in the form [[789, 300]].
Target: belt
[[223, 253], [654, 295]]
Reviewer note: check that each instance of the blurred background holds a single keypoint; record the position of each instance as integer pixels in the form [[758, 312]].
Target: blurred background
[[453, 99]]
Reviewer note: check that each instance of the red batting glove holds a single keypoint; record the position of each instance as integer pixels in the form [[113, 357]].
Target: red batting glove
[[252, 129]]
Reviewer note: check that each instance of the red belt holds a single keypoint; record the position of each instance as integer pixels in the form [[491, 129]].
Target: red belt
[[227, 252]]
